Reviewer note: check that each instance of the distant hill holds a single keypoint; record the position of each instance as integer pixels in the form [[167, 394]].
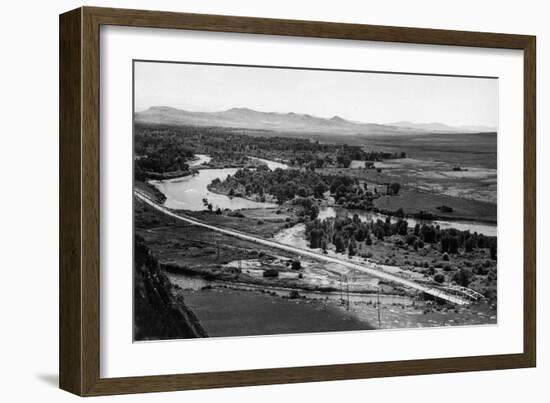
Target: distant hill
[[285, 122], [440, 127]]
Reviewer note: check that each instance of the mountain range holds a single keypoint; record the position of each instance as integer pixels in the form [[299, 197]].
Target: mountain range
[[246, 118]]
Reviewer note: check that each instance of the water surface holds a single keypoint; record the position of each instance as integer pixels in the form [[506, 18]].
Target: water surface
[[187, 193]]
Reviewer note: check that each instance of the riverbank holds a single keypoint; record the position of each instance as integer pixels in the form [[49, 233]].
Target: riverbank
[[150, 190], [218, 303], [424, 263], [215, 257], [228, 312]]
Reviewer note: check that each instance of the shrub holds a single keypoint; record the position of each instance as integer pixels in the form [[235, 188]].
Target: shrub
[[445, 256], [296, 265], [209, 251], [368, 241], [445, 209], [410, 239], [440, 278], [237, 214], [270, 273], [481, 270], [393, 189], [294, 294]]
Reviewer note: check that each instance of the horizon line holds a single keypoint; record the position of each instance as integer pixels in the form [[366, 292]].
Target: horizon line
[[392, 123]]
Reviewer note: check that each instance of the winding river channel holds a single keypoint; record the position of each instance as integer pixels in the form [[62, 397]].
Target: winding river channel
[[188, 192]]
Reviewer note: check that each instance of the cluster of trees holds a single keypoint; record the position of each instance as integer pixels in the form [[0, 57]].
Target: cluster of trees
[[383, 155], [233, 144], [349, 193], [343, 232], [341, 156], [347, 234], [310, 209], [158, 147], [451, 240], [159, 152], [286, 184], [328, 155], [283, 184]]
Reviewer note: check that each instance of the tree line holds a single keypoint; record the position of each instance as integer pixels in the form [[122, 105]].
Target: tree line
[[346, 233], [165, 148]]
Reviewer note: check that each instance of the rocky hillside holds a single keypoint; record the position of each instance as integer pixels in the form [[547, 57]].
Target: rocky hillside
[[159, 313]]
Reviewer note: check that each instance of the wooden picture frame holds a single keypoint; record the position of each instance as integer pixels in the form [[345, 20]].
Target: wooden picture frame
[[79, 346]]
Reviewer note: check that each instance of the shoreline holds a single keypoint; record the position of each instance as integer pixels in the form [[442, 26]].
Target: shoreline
[[258, 283], [374, 210], [433, 216]]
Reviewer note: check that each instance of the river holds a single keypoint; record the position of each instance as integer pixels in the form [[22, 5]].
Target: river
[[472, 226], [201, 159], [188, 193]]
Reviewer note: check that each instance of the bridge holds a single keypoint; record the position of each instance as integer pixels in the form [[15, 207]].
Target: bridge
[[463, 291], [454, 296]]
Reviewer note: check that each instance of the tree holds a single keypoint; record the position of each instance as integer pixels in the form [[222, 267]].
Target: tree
[[302, 192], [339, 244], [428, 233], [462, 277], [453, 244], [296, 265], [360, 234], [368, 240], [313, 212], [493, 250], [445, 244], [469, 244], [402, 227], [319, 190], [352, 247], [315, 237]]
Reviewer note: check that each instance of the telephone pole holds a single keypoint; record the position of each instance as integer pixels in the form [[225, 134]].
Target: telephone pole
[[378, 306]]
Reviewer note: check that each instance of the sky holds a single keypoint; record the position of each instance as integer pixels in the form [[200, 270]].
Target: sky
[[359, 96]]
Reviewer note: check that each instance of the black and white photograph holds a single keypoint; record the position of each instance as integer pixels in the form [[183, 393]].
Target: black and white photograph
[[273, 200]]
